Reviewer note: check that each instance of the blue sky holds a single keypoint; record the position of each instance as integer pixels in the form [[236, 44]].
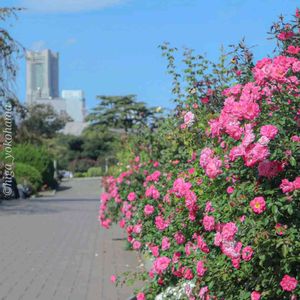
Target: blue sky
[[110, 47]]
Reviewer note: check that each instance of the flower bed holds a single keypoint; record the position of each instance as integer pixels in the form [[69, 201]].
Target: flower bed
[[223, 224]]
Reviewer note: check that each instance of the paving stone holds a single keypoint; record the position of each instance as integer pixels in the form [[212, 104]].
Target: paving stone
[[54, 248]]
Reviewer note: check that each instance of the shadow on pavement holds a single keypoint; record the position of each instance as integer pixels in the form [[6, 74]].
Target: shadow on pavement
[[26, 207]]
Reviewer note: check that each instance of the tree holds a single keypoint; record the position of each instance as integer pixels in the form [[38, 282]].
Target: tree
[[41, 122], [99, 142], [121, 112], [10, 50]]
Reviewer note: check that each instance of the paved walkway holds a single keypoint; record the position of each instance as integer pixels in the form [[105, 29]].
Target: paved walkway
[[54, 248]]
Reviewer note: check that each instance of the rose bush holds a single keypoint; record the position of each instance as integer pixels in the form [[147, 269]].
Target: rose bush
[[223, 222]]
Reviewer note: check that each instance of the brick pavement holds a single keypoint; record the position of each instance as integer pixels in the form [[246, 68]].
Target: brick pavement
[[54, 248]]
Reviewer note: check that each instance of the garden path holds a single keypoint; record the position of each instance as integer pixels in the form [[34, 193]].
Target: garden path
[[54, 248]]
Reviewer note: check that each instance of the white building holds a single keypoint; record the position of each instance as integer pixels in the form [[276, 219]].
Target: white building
[[75, 104]]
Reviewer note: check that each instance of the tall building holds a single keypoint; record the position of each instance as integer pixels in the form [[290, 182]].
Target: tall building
[[42, 80], [75, 104], [42, 87]]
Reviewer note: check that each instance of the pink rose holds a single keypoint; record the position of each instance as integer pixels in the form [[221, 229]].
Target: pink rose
[[279, 228], [154, 250], [165, 244], [113, 278], [156, 164], [206, 155], [208, 223], [293, 49], [188, 274], [236, 262], [131, 196], [209, 207], [203, 292], [229, 230], [242, 218], [140, 296], [137, 228], [269, 169], [201, 244], [179, 237], [218, 239], [296, 183], [136, 245], [258, 205], [200, 268], [247, 253], [189, 118], [230, 190], [295, 138], [287, 186], [148, 210], [106, 223], [122, 223], [152, 192], [205, 100], [288, 283], [176, 257], [161, 264], [255, 295], [160, 223], [236, 152], [285, 35], [255, 153], [212, 169], [269, 131]]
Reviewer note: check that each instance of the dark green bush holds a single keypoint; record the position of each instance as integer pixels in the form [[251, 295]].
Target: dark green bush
[[28, 175], [37, 157]]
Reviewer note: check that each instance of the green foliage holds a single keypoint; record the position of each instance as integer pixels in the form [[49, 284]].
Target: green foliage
[[10, 51], [80, 174], [41, 122], [27, 175], [38, 158], [121, 112], [94, 172]]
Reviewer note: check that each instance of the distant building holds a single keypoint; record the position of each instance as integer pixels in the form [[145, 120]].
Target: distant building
[[42, 87], [75, 104], [74, 128], [42, 81]]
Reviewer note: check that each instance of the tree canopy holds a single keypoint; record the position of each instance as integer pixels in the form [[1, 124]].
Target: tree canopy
[[10, 50], [121, 112]]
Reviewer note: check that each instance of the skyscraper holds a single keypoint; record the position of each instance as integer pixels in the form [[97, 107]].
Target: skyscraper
[[75, 104], [42, 87], [42, 75]]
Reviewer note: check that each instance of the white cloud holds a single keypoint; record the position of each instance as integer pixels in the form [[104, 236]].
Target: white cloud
[[67, 6]]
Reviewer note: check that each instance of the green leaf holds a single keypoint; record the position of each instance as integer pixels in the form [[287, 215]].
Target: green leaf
[[284, 250]]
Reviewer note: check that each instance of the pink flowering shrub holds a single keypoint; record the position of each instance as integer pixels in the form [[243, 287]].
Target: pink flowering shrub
[[223, 214]]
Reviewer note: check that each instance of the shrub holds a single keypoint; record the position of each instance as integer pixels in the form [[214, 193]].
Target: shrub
[[223, 222], [28, 175], [80, 174], [94, 172], [37, 157]]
